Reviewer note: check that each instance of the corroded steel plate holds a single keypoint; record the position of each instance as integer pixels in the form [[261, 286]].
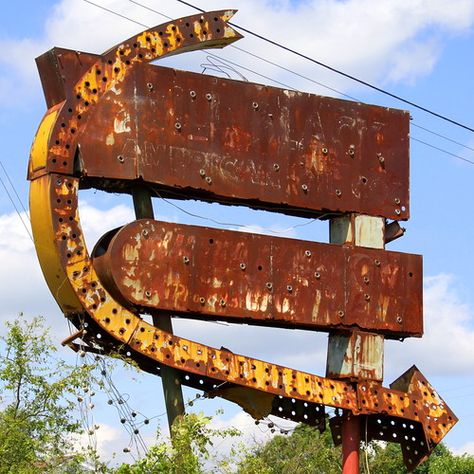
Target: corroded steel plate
[[192, 135], [221, 274]]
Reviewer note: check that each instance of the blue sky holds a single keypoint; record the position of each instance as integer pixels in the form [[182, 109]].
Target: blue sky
[[420, 50]]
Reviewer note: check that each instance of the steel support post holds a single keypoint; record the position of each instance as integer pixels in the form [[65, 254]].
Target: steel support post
[[355, 355], [173, 393], [350, 443]]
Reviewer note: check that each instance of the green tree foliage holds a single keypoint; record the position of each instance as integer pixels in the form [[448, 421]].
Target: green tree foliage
[[191, 451], [304, 451], [37, 403]]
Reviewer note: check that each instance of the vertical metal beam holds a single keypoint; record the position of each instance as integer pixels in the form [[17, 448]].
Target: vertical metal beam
[[346, 359], [173, 393], [350, 444]]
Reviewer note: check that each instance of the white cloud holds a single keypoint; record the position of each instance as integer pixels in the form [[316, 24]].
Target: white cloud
[[447, 347], [380, 41]]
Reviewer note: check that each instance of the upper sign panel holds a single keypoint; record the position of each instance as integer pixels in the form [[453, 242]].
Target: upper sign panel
[[242, 143]]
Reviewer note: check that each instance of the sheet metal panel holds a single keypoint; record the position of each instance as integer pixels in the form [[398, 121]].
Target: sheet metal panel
[[219, 274], [239, 142]]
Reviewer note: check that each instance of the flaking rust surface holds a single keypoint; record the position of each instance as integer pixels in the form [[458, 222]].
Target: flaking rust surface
[[218, 274], [410, 412]]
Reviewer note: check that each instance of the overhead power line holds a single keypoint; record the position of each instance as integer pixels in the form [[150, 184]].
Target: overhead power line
[[341, 73], [288, 70]]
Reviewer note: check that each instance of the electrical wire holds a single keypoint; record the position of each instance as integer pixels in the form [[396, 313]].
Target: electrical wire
[[16, 208], [443, 150], [302, 76], [14, 190], [340, 72]]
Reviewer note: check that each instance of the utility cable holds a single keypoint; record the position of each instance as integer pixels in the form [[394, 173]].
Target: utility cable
[[16, 208], [302, 76], [346, 95], [340, 72]]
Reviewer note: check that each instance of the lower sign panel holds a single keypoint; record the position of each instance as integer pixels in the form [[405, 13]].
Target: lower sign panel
[[217, 274]]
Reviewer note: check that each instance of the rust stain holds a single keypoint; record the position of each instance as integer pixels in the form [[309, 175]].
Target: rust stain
[[309, 160]]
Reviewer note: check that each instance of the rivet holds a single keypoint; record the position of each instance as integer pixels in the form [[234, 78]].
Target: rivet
[[366, 280], [177, 126], [304, 187], [185, 260], [381, 158], [351, 150], [340, 313], [192, 94], [377, 263], [276, 166], [58, 182], [397, 201], [367, 297], [148, 293], [399, 319], [338, 192], [208, 180], [289, 288], [145, 233], [222, 303], [317, 275], [120, 158], [307, 253], [398, 212], [149, 85], [243, 266], [202, 173], [209, 97], [269, 285], [202, 300], [325, 151], [255, 105]]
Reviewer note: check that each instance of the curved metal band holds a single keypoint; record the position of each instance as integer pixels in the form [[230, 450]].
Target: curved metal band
[[74, 283]]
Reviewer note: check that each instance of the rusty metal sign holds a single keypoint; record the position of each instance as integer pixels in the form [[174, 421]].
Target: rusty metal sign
[[220, 274], [323, 144], [225, 140]]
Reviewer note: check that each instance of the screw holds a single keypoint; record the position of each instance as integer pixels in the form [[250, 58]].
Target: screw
[[202, 173], [338, 192], [148, 293], [185, 260], [192, 94], [120, 158], [276, 166], [304, 187], [243, 266], [317, 275], [255, 105], [208, 180], [149, 85], [209, 97], [307, 253], [177, 126], [399, 319], [325, 151], [340, 313], [269, 285], [289, 288], [367, 297]]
